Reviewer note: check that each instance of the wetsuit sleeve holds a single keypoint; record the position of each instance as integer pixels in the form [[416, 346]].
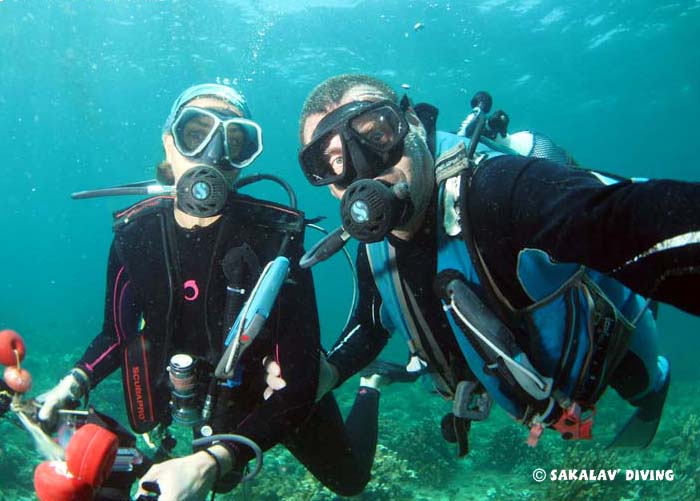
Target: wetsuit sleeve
[[645, 234], [296, 350], [102, 356], [364, 337], [6, 395]]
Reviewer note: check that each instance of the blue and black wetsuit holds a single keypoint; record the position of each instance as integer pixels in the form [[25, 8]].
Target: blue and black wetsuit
[[365, 336], [642, 234]]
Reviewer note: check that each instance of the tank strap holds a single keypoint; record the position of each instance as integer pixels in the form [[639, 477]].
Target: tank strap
[[405, 312]]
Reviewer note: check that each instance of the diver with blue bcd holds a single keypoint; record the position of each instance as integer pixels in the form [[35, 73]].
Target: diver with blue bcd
[[502, 274]]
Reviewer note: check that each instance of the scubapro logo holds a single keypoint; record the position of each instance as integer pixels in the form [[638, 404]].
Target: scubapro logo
[[359, 211], [138, 392]]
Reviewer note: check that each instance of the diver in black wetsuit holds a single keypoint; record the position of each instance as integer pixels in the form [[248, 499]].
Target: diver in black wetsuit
[[515, 279], [167, 294]]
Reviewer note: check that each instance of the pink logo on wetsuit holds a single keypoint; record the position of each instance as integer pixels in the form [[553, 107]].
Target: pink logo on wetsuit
[[191, 290]]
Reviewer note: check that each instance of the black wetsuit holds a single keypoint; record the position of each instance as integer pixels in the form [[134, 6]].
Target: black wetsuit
[[182, 306], [5, 398], [521, 202]]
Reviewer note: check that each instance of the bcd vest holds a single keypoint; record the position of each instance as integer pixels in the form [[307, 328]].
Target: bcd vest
[[146, 244], [575, 331]]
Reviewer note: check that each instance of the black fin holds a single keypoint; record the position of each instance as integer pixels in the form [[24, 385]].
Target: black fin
[[395, 373], [639, 430]]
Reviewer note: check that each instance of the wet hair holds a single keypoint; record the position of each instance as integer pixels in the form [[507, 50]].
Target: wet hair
[[164, 173], [332, 90]]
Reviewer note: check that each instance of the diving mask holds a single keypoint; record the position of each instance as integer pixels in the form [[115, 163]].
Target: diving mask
[[356, 141], [226, 141]]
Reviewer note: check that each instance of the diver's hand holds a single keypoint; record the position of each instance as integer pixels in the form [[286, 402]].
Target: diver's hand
[[69, 388], [327, 377], [273, 377], [190, 477]]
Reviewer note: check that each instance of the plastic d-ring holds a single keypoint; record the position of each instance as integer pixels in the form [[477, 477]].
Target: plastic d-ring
[[90, 454], [52, 482]]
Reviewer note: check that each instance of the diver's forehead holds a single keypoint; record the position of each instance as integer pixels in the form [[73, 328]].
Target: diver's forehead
[[214, 103], [362, 92]]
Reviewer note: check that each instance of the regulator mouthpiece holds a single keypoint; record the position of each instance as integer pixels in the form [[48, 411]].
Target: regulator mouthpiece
[[202, 191], [370, 209]]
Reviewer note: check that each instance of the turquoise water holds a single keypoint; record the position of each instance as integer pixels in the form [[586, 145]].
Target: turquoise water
[[85, 87]]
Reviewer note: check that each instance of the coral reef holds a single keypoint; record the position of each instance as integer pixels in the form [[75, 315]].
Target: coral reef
[[415, 439], [506, 451], [413, 462], [581, 456], [685, 463]]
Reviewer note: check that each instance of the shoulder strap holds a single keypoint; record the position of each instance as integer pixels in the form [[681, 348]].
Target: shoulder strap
[[427, 114], [493, 296]]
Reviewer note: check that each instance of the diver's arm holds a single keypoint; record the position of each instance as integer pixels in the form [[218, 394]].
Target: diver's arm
[[645, 234], [188, 477], [102, 356], [364, 337]]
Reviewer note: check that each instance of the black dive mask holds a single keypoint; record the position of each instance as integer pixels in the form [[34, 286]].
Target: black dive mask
[[358, 140], [370, 209]]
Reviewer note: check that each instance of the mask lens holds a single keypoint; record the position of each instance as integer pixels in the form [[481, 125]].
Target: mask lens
[[192, 130], [243, 141], [323, 159], [381, 128]]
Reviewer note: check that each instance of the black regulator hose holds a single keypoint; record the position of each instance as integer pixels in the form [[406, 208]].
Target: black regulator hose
[[481, 104], [254, 178]]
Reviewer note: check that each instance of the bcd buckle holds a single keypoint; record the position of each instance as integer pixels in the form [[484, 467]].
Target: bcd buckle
[[575, 424]]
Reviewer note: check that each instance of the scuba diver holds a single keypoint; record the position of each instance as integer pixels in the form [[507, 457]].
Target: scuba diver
[[187, 284], [514, 279]]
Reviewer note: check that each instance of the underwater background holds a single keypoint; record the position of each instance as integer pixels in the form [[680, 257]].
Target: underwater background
[[86, 85]]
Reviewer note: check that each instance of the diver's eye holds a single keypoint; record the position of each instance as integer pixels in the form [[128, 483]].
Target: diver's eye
[[376, 130], [378, 136], [196, 130], [336, 162]]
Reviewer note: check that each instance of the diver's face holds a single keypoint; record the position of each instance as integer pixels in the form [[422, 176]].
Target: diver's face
[[414, 168], [194, 132], [235, 138]]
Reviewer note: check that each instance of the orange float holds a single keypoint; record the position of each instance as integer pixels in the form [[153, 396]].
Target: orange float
[[53, 482], [12, 348], [19, 380], [90, 454]]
